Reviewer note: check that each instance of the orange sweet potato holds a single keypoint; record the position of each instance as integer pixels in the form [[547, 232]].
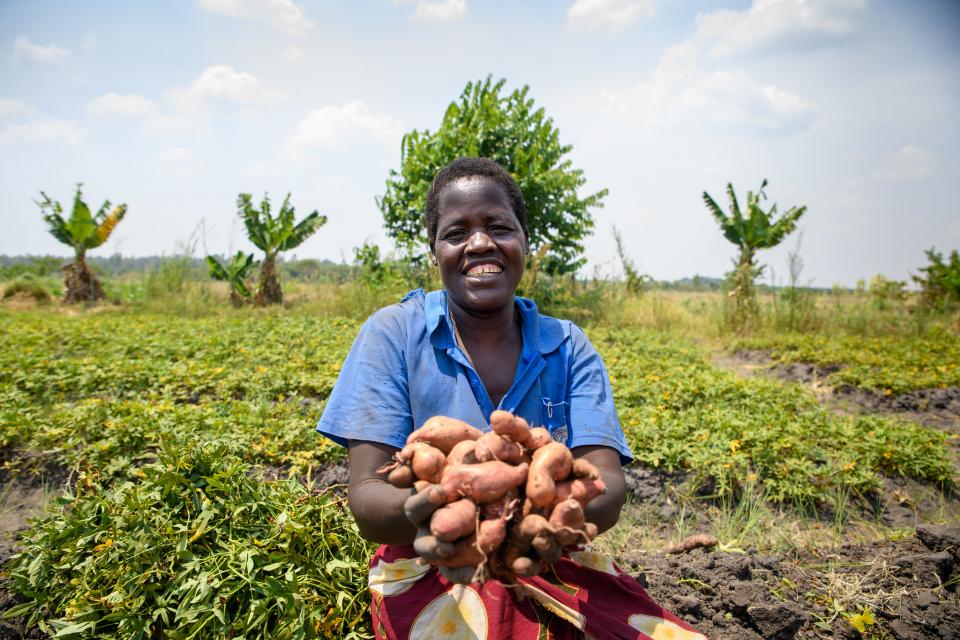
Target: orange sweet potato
[[551, 462], [454, 520], [511, 427], [425, 460], [443, 433], [524, 566], [491, 534], [462, 453], [581, 489], [502, 507], [539, 437], [567, 521], [547, 547], [514, 546], [532, 525], [484, 481], [492, 446]]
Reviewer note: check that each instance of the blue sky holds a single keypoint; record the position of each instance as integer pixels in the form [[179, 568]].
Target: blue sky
[[850, 107]]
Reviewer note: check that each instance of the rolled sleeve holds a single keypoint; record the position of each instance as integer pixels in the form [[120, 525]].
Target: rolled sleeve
[[593, 417], [371, 399]]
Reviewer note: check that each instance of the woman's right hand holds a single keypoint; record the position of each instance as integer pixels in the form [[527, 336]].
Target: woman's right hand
[[377, 506]]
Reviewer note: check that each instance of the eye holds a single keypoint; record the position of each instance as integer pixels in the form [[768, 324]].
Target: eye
[[454, 234]]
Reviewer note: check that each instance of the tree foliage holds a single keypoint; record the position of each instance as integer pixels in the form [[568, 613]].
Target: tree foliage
[[273, 235], [751, 231], [940, 283], [83, 230], [234, 273], [511, 130]]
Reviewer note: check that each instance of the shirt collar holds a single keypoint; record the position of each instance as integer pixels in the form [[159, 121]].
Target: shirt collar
[[540, 333]]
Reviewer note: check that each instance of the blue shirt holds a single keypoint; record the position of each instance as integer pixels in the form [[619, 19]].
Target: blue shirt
[[405, 367]]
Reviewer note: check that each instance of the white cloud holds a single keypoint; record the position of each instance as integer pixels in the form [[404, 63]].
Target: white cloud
[[610, 15], [681, 93], [223, 81], [437, 10], [44, 130], [781, 25], [284, 15], [25, 49], [9, 106], [911, 162], [178, 162], [131, 105], [326, 127]]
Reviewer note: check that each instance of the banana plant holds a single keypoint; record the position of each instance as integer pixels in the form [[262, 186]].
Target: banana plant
[[234, 273], [273, 235], [82, 231], [757, 229]]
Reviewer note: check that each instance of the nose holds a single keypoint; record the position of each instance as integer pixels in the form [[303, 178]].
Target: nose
[[479, 242]]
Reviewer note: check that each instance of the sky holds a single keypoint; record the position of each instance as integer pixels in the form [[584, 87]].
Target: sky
[[849, 107]]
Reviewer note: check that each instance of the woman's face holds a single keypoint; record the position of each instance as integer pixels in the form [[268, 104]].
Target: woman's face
[[480, 247]]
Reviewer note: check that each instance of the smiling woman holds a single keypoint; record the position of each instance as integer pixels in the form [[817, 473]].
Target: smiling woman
[[464, 352]]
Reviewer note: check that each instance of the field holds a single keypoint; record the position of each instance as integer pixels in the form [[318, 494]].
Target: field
[[166, 456]]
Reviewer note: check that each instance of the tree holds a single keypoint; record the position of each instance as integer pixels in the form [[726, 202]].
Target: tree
[[83, 232], [234, 273], [940, 284], [273, 235], [516, 134], [756, 230]]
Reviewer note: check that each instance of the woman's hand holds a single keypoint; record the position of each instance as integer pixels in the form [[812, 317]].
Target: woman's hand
[[377, 505], [604, 510]]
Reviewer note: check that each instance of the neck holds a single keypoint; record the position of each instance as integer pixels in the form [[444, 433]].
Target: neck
[[491, 327]]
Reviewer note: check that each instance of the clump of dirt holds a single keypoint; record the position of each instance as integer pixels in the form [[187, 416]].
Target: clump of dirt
[[910, 587]]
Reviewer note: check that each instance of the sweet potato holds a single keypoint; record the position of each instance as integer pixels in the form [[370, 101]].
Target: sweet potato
[[511, 427], [532, 526], [422, 504], [514, 546], [401, 477], [427, 546], [567, 520], [502, 507], [547, 547], [583, 468], [461, 575], [524, 566], [454, 520], [582, 489], [551, 462], [484, 481], [420, 485], [491, 446], [591, 530], [425, 460], [462, 453], [539, 437], [443, 433], [490, 534]]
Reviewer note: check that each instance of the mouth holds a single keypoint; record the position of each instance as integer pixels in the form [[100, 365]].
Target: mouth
[[484, 270]]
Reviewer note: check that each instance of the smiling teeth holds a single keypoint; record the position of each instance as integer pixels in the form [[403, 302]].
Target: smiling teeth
[[484, 270]]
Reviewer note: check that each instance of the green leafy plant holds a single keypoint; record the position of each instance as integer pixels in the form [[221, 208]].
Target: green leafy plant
[[636, 282], [82, 231], [940, 283], [513, 131], [199, 547], [751, 231], [274, 235], [234, 273]]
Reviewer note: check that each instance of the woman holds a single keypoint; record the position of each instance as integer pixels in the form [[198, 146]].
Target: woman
[[463, 352]]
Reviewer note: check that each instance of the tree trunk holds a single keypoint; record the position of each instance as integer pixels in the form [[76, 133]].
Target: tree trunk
[[81, 284], [236, 299], [744, 299], [269, 291]]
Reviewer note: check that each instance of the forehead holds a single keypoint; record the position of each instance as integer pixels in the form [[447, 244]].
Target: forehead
[[473, 195]]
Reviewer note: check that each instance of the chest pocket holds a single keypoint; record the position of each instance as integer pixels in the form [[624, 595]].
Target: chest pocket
[[553, 395]]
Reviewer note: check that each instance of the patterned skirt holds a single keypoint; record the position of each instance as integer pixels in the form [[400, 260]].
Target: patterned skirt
[[584, 596]]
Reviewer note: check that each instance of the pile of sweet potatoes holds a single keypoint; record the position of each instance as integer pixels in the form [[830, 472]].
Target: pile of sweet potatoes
[[501, 503]]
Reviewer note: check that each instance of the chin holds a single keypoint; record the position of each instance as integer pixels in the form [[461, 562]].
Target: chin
[[482, 299]]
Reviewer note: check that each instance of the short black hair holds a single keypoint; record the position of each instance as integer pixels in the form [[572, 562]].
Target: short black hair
[[469, 168]]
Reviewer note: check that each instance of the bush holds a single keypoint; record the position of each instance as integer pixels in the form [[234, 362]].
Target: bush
[[201, 547], [940, 283], [29, 286]]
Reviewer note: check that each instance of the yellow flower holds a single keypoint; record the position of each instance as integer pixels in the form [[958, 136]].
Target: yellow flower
[[734, 446]]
